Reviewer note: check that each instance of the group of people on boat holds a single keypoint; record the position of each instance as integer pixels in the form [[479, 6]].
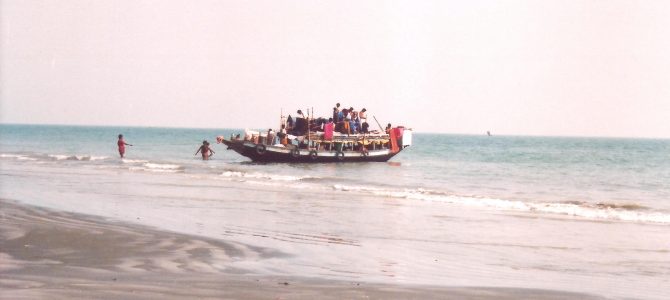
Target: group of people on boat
[[346, 129], [350, 121], [344, 120]]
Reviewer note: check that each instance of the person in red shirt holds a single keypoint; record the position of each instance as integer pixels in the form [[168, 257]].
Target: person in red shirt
[[122, 145], [328, 130]]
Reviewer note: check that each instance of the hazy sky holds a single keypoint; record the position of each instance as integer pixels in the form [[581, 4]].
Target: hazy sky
[[588, 68]]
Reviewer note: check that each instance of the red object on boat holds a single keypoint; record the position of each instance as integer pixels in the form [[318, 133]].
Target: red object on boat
[[399, 131], [394, 140], [328, 131]]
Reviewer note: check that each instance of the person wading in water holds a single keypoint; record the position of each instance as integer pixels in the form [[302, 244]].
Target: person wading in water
[[122, 145], [205, 150]]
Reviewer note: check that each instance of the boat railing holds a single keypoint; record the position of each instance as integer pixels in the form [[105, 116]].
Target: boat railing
[[353, 142], [338, 142], [319, 136]]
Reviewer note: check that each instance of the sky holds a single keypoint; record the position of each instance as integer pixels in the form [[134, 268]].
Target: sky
[[566, 68]]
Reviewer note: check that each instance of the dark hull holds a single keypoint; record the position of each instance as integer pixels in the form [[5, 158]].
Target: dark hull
[[278, 154]]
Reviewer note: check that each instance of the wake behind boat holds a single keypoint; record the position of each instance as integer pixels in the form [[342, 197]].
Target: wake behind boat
[[318, 140]]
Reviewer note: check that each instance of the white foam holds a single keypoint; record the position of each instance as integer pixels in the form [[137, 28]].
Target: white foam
[[26, 158], [231, 174], [59, 156], [347, 188], [602, 212], [236, 174], [588, 211], [17, 156], [133, 161], [154, 170], [155, 167], [274, 177], [77, 157], [292, 186], [162, 166]]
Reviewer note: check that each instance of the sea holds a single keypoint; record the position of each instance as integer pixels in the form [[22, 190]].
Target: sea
[[576, 214]]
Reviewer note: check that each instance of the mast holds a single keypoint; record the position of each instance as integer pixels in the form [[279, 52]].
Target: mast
[[307, 121], [309, 117]]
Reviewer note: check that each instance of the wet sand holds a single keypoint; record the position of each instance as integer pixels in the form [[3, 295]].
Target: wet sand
[[47, 254]]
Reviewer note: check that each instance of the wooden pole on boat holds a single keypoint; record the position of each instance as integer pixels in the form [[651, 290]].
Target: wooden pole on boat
[[307, 121], [380, 125]]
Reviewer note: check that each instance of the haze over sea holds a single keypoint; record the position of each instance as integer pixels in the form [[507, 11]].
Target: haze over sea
[[587, 215]]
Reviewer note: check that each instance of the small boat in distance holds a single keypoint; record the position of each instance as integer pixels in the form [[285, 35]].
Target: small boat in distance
[[320, 145]]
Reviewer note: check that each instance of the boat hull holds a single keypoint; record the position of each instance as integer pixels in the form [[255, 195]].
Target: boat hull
[[267, 153]]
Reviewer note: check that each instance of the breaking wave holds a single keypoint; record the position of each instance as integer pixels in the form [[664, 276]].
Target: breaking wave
[[52, 157], [133, 164], [77, 157], [256, 175], [158, 168], [133, 161], [598, 211]]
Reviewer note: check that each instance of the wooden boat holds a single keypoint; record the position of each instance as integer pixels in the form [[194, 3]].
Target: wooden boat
[[314, 148]]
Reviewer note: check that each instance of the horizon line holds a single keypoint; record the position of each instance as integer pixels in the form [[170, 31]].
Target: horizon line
[[421, 132]]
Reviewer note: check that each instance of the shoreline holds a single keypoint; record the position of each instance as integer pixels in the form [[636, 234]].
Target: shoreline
[[60, 255]]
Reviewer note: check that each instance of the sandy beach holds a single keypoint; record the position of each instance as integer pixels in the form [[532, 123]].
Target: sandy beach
[[58, 255]]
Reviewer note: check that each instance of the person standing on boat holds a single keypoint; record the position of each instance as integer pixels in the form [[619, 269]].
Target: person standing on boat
[[269, 139], [339, 123], [300, 127], [283, 138], [122, 145], [205, 150], [364, 127], [346, 128], [300, 114], [362, 116], [328, 129], [289, 123], [357, 126]]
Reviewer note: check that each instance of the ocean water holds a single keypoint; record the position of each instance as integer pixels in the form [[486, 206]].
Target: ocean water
[[577, 214]]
